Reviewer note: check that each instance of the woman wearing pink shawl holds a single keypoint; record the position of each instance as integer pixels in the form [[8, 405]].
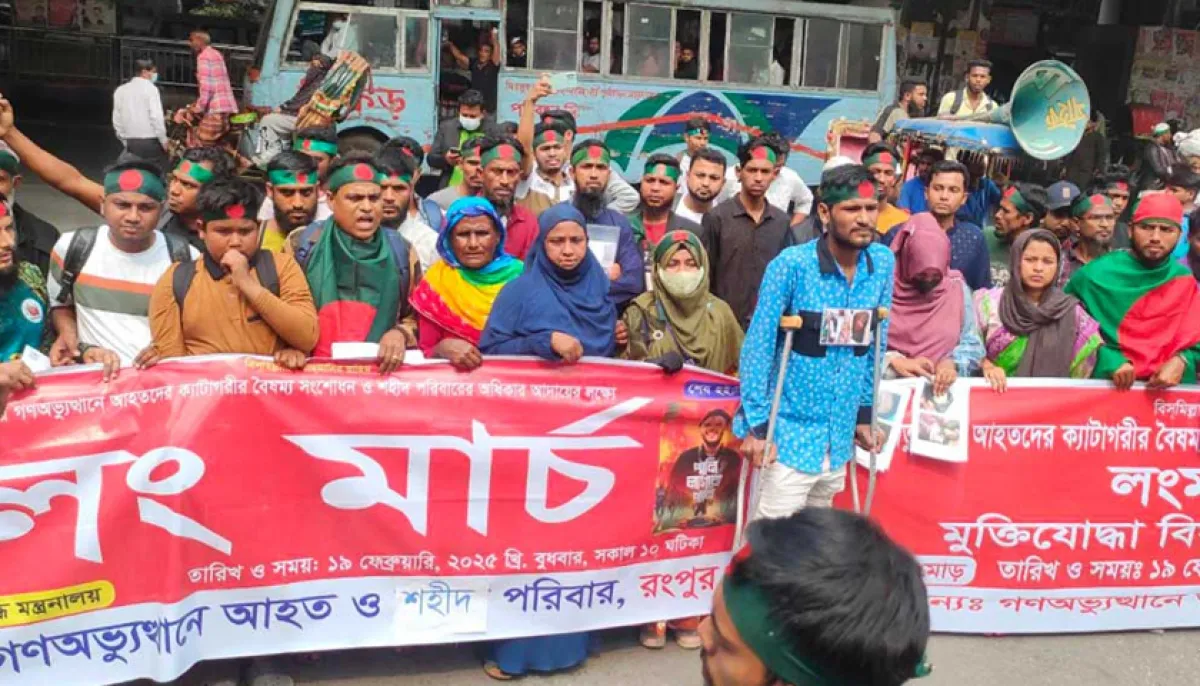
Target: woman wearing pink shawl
[[932, 332]]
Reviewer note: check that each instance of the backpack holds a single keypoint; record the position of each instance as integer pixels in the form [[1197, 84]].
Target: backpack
[[264, 267], [400, 248], [80, 249], [960, 95], [431, 212]]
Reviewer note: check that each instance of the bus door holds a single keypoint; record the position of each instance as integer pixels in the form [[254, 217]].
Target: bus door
[[469, 35]]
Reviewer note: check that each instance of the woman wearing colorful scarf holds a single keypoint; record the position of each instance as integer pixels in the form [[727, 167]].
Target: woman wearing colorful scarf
[[932, 332], [558, 310], [455, 297], [1030, 327]]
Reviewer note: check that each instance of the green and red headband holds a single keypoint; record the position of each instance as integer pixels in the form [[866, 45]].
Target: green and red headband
[[764, 152], [1158, 207], [232, 211], [138, 181], [194, 171], [1018, 201], [695, 132], [1086, 203], [547, 136], [1119, 185], [664, 170], [504, 151], [287, 177], [882, 157], [359, 172], [591, 153], [314, 145], [405, 179], [833, 194]]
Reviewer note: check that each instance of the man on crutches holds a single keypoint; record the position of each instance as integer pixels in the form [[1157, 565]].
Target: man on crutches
[[827, 390]]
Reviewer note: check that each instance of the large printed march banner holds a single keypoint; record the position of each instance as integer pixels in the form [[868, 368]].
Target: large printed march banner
[[222, 507], [1076, 509]]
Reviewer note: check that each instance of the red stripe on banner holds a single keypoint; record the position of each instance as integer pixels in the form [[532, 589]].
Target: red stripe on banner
[[729, 124]]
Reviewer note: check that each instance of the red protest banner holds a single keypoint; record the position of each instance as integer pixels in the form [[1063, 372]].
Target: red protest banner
[[218, 507], [1076, 511]]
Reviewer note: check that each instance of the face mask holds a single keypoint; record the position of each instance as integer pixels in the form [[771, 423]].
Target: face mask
[[681, 284], [154, 77], [469, 123], [338, 25]]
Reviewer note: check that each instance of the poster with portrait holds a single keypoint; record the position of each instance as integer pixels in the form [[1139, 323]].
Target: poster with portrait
[[892, 417], [30, 12], [698, 473], [98, 16], [940, 422]]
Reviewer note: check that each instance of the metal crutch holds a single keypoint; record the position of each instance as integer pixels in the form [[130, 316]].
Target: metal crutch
[[790, 324], [881, 314]]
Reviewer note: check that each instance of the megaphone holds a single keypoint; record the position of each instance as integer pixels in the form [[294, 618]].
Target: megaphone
[[1048, 111]]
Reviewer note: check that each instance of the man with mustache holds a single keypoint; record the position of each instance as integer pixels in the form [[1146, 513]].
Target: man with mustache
[[23, 298], [293, 188], [1093, 219], [706, 177], [501, 161], [655, 218], [398, 171]]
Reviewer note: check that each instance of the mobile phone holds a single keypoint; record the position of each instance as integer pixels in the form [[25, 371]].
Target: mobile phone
[[562, 81]]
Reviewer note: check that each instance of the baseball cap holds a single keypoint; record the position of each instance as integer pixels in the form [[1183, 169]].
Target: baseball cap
[[1161, 128], [1062, 195]]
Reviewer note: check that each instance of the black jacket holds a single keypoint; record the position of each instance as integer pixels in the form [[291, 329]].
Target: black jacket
[[35, 238], [447, 139]]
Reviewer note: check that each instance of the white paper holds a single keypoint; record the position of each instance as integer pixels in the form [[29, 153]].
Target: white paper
[[36, 361], [369, 351], [891, 409], [445, 607], [940, 428]]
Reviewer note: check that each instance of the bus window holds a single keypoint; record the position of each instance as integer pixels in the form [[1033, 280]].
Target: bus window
[[861, 70], [555, 36], [751, 39], [821, 53], [474, 4], [311, 27], [616, 49], [592, 58], [687, 44], [781, 64], [416, 43], [648, 30], [716, 46], [374, 37], [516, 32]]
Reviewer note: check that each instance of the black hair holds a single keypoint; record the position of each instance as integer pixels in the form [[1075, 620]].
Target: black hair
[[216, 196], [325, 134], [509, 128], [876, 148], [1037, 198], [471, 98], [352, 158], [697, 123], [410, 144], [469, 144], [587, 143], [662, 158], [1043, 238], [222, 163], [709, 154], [979, 64], [846, 175], [951, 167], [778, 143], [717, 413], [1185, 178], [125, 162], [908, 86], [847, 597], [293, 161], [746, 149], [567, 119], [392, 161], [142, 64], [552, 126], [1117, 173]]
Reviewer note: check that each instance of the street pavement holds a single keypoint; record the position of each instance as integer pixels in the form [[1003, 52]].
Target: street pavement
[[1126, 659]]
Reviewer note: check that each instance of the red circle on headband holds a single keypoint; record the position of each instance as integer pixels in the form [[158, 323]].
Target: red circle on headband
[[363, 173], [760, 153], [302, 178], [307, 145], [550, 137], [185, 167], [129, 180], [866, 189], [886, 158], [596, 151], [1098, 199], [235, 211]]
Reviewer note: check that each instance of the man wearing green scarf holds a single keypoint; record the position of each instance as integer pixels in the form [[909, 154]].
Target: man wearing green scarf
[[656, 217], [819, 598], [360, 274]]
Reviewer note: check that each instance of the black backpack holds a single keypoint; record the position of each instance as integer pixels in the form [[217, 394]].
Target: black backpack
[[264, 267], [80, 249]]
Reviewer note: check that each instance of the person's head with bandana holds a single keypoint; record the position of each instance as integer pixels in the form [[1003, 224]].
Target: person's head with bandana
[[590, 165], [848, 209], [133, 199], [758, 164], [565, 120], [883, 162], [398, 170], [229, 211], [1094, 221], [1117, 187], [660, 183], [819, 598], [500, 163], [198, 167], [319, 143], [355, 187], [292, 185], [549, 147], [10, 173], [1156, 228], [696, 135], [1022, 207]]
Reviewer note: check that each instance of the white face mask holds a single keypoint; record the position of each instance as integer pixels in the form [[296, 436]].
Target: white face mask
[[469, 123], [154, 77], [339, 24], [681, 284]]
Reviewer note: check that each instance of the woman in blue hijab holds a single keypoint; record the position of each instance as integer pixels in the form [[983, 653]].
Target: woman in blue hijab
[[559, 308]]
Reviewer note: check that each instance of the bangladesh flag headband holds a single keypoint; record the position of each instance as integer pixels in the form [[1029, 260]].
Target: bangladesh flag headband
[[672, 173], [397, 178], [591, 153], [136, 181], [1014, 196], [1086, 203], [354, 173], [550, 136], [882, 157], [764, 152], [503, 151], [287, 177], [194, 172], [832, 195], [313, 145], [234, 211]]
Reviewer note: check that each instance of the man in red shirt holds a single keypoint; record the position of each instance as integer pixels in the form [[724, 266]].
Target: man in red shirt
[[500, 160]]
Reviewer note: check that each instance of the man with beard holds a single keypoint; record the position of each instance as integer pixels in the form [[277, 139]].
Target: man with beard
[[1093, 219], [1184, 184], [500, 159], [35, 236], [1146, 303], [688, 67], [23, 298], [590, 166], [971, 99], [1060, 197], [948, 182], [472, 182], [697, 133], [912, 192], [549, 184], [913, 98], [1159, 159], [517, 58], [883, 162], [706, 177], [828, 405], [398, 171], [655, 218], [319, 144], [1022, 207], [590, 64], [820, 597], [100, 279], [706, 475], [293, 188], [746, 232]]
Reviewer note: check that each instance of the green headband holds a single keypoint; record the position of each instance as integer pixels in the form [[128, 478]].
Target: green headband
[[592, 153], [194, 171], [1014, 196], [882, 157], [9, 163], [287, 177], [548, 136], [833, 194], [360, 172], [504, 151], [764, 152], [314, 145], [660, 169], [397, 178], [1086, 203], [694, 132], [134, 181], [234, 211]]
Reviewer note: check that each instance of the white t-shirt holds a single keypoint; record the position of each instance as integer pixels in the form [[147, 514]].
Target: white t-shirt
[[112, 293], [422, 238], [786, 188], [684, 211]]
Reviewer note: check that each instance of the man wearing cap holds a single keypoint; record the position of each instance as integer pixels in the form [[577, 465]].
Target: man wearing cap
[[548, 184], [1061, 196], [360, 274], [229, 306], [23, 300], [590, 162], [35, 236], [293, 189], [501, 160], [746, 232], [1159, 159], [883, 162], [397, 183], [472, 181], [517, 57], [655, 218], [827, 404], [1146, 303], [103, 316], [820, 598], [1093, 220]]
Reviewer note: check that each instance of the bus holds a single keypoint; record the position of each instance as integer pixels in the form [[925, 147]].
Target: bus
[[755, 66]]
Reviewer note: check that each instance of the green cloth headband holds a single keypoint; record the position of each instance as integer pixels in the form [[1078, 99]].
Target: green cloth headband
[[750, 611], [194, 171], [548, 136], [134, 181], [689, 241], [397, 178], [882, 157], [660, 169], [764, 152], [313, 145], [1014, 196], [695, 132], [287, 177], [832, 195], [1086, 203], [9, 163], [354, 173], [504, 151], [592, 153], [234, 211]]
